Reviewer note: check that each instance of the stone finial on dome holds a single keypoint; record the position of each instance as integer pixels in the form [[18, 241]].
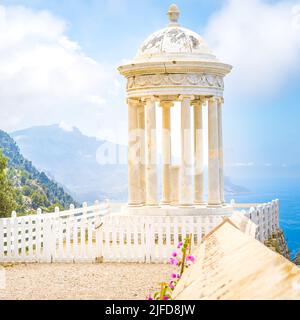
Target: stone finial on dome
[[173, 14]]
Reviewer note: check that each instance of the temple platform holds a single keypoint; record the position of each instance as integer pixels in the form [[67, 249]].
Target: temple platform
[[167, 210]]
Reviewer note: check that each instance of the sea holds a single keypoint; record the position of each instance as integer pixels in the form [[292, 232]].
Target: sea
[[287, 191]]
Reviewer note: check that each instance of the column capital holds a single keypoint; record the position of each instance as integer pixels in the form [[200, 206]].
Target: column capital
[[198, 102], [212, 99], [149, 98], [166, 104], [216, 99], [182, 97], [220, 100], [134, 102]]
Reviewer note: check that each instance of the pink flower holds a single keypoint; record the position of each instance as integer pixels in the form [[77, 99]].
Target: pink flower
[[166, 298], [178, 276], [180, 244], [171, 285], [174, 254], [150, 298], [190, 259], [173, 276], [173, 262]]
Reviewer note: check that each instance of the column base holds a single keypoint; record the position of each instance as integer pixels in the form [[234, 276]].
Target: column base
[[133, 205], [214, 205], [156, 205], [186, 205], [200, 203], [165, 203], [177, 211]]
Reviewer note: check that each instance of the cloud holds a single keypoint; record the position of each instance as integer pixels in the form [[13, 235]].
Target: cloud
[[97, 100], [261, 40], [268, 164], [45, 77]]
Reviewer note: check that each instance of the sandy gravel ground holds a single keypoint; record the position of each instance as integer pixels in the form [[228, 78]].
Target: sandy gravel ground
[[82, 281]]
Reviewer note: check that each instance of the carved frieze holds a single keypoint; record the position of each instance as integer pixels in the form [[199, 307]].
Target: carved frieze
[[167, 80]]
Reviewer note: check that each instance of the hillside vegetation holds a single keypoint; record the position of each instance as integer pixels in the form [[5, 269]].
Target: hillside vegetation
[[31, 188]]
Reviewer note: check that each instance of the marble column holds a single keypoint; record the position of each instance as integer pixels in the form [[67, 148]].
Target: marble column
[[166, 150], [134, 196], [221, 152], [175, 173], [151, 153], [199, 151], [141, 126], [213, 154], [186, 174]]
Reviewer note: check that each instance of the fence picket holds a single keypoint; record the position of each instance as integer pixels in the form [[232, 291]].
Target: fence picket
[[114, 244], [30, 239], [83, 238], [147, 240], [90, 239], [160, 245], [46, 256], [106, 239], [75, 240], [176, 239], [23, 239], [38, 239], [15, 231], [2, 239], [128, 239], [60, 239], [168, 238], [99, 243], [8, 238]]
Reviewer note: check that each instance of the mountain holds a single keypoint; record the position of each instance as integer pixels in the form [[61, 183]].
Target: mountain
[[73, 160], [34, 189]]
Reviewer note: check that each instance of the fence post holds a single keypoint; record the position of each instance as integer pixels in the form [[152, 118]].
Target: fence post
[[38, 234], [56, 210], [2, 240], [15, 234], [72, 208], [97, 212], [99, 242], [84, 208], [148, 238], [251, 211], [47, 240]]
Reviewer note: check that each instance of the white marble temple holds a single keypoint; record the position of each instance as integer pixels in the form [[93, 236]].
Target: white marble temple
[[172, 65]]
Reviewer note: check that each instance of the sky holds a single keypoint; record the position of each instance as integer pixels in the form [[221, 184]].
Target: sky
[[59, 59]]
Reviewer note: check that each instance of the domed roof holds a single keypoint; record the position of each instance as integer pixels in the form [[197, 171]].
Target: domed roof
[[174, 43]]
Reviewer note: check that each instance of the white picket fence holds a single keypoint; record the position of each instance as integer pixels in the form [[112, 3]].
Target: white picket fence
[[150, 239], [68, 236], [91, 234], [265, 216]]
